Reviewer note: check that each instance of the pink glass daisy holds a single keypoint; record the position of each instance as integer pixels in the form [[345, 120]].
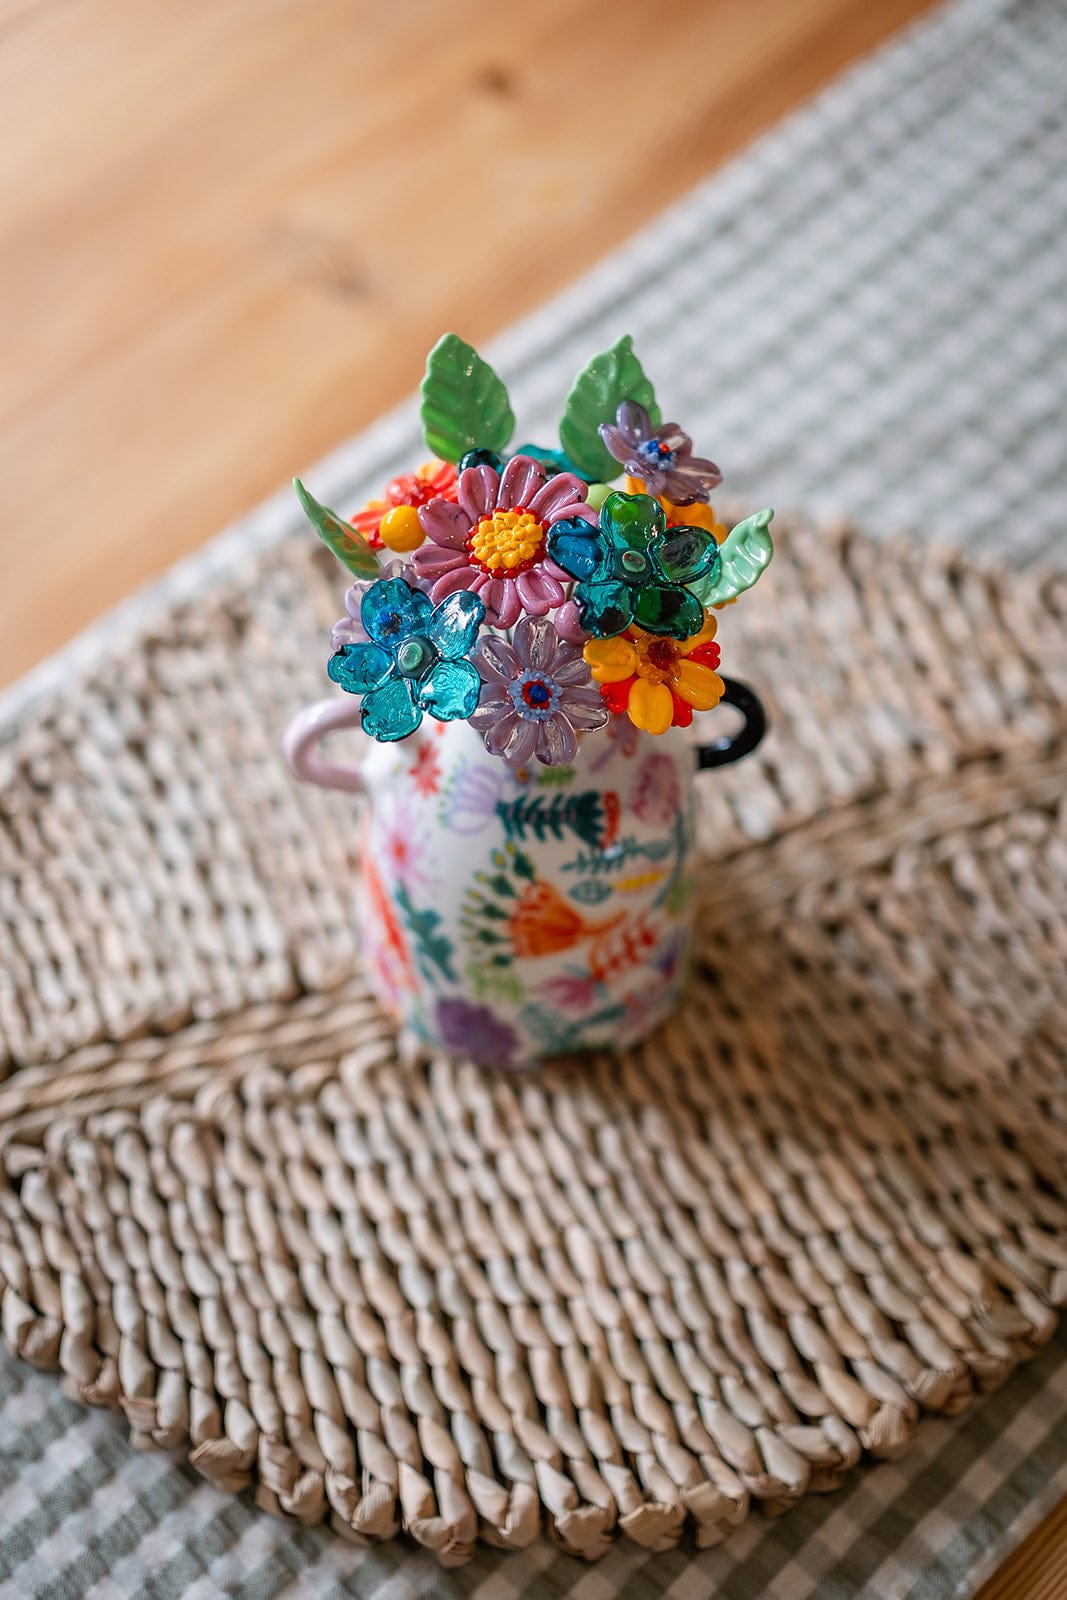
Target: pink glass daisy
[[494, 539]]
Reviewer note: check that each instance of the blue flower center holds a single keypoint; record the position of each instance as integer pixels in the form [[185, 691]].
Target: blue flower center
[[656, 452], [535, 697]]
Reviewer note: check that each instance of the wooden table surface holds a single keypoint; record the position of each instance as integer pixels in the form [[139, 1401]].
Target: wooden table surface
[[231, 230]]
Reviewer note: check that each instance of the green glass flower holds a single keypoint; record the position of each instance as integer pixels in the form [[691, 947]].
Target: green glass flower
[[631, 568], [414, 659]]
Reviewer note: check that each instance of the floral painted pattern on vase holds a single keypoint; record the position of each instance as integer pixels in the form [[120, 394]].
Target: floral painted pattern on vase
[[514, 915]]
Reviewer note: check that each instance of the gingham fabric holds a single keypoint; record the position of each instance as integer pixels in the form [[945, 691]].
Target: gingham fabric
[[876, 290]]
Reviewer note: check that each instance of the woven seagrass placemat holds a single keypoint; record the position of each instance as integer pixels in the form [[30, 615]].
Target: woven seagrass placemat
[[618, 1297]]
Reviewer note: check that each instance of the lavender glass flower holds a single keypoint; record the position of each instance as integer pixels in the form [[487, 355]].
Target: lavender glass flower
[[661, 457], [537, 696]]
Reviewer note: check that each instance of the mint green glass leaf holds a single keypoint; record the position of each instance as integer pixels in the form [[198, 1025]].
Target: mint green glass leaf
[[464, 404], [352, 551], [743, 558], [597, 393]]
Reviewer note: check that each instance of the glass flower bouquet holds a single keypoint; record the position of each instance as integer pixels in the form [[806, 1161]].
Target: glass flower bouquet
[[524, 594], [522, 622]]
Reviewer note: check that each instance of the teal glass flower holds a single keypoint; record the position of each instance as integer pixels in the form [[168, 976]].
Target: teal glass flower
[[414, 659], [632, 569]]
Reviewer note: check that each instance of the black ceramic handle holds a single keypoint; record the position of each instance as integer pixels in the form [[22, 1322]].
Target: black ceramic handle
[[731, 747]]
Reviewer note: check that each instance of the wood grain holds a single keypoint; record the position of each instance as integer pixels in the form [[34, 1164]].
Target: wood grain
[[231, 230], [1038, 1569]]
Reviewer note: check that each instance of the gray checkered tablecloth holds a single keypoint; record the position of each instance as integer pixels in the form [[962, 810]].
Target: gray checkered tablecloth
[[876, 296]]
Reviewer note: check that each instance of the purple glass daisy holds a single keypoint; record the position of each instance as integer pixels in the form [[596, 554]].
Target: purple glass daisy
[[661, 457], [494, 540], [537, 696]]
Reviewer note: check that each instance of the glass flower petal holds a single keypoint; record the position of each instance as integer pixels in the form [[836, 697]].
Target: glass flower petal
[[673, 612], [389, 712], [687, 553], [360, 667], [575, 545], [651, 706], [391, 610], [606, 608], [557, 742], [496, 660], [698, 685], [635, 520], [450, 690], [453, 626]]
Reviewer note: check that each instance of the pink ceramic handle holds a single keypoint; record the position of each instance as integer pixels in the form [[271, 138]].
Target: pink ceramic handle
[[300, 745]]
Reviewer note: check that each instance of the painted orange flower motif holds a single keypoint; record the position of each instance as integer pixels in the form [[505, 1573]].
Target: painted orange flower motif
[[543, 923], [393, 522], [657, 682]]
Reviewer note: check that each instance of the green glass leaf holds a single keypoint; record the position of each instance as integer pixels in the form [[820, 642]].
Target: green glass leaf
[[743, 558], [336, 534], [598, 391], [464, 404]]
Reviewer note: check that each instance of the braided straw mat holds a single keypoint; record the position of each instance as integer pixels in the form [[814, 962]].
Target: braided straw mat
[[617, 1297]]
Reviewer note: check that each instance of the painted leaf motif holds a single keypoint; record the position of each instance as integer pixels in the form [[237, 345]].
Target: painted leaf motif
[[744, 556], [347, 545], [464, 404], [581, 814], [591, 891], [432, 947], [597, 393]]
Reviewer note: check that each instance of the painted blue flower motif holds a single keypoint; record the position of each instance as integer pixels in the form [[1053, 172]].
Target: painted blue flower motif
[[632, 569], [414, 658]]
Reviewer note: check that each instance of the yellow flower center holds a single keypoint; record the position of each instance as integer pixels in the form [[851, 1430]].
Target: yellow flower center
[[507, 542]]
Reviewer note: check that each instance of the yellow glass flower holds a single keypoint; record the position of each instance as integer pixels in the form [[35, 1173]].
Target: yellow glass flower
[[657, 682]]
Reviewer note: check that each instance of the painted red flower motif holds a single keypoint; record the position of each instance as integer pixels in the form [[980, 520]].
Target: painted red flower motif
[[426, 770]]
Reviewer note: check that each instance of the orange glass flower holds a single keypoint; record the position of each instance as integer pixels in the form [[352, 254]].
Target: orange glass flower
[[433, 480], [658, 683]]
